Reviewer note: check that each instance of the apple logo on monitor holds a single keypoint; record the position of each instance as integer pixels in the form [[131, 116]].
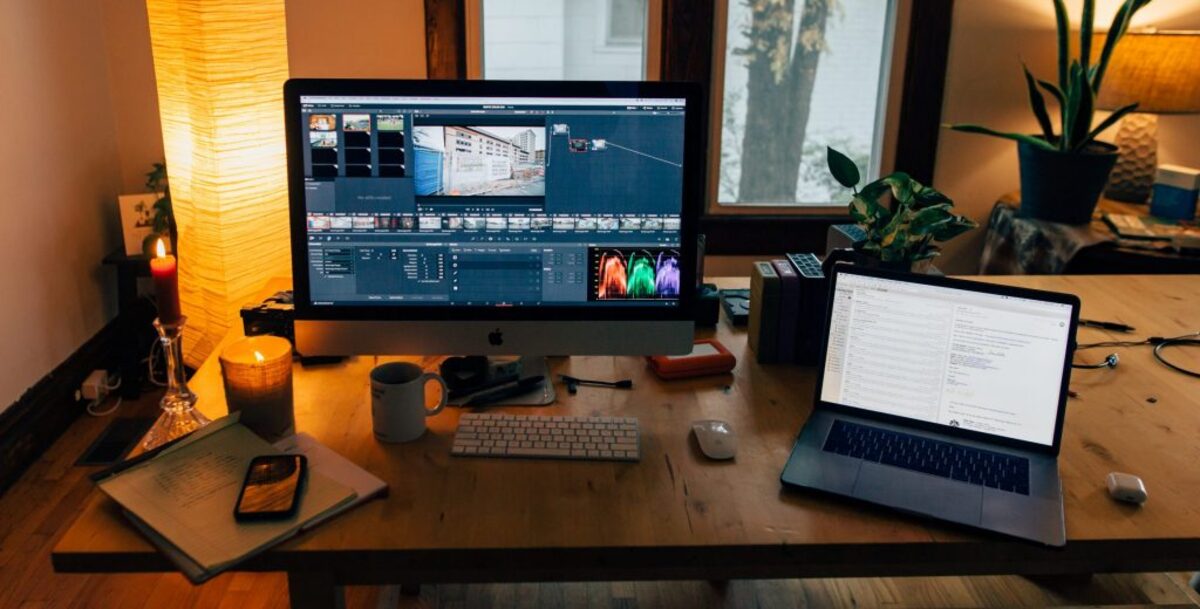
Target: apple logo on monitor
[[496, 337]]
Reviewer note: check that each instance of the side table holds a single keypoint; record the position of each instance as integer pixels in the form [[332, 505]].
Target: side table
[[134, 316]]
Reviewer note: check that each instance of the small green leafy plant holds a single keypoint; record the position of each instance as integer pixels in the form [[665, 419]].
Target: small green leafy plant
[[908, 231], [156, 181], [1078, 84]]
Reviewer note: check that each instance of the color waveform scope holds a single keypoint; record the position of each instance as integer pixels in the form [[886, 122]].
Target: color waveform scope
[[632, 274]]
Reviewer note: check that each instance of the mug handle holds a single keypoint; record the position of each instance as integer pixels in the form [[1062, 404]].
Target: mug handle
[[430, 376]]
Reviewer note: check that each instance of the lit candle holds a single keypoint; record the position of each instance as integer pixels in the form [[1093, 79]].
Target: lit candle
[[166, 284], [258, 383]]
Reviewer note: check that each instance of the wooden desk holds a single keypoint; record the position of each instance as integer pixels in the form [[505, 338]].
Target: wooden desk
[[676, 515]]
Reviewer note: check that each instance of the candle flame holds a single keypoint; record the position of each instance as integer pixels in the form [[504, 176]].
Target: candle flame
[[161, 248], [259, 357]]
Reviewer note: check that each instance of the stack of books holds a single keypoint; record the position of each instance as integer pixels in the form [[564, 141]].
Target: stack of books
[[787, 309]]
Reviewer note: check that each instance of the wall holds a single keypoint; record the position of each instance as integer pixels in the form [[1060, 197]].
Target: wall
[[61, 175], [984, 85], [82, 126], [132, 91], [356, 38]]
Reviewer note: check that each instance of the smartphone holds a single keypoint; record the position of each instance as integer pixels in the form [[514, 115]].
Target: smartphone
[[272, 488]]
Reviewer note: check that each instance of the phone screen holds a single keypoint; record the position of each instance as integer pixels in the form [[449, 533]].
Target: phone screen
[[272, 487]]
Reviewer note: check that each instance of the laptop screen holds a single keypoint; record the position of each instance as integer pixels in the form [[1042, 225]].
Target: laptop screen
[[983, 362]]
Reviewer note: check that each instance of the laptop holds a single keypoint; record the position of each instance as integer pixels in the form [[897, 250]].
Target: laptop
[[944, 398]]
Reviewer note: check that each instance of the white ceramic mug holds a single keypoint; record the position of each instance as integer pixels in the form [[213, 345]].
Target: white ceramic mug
[[398, 401]]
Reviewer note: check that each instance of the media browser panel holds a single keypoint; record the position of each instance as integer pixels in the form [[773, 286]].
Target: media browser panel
[[493, 202]]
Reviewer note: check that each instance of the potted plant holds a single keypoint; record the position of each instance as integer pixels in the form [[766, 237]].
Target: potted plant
[[164, 219], [904, 237], [1063, 174]]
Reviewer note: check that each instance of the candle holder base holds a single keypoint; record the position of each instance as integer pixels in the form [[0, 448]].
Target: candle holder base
[[179, 416], [173, 423]]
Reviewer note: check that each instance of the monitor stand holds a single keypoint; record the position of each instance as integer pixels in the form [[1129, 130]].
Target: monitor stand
[[542, 395]]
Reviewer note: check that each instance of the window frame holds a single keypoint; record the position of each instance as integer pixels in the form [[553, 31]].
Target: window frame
[[680, 46]]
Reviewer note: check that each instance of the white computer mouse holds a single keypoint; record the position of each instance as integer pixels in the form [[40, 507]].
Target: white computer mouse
[[716, 438]]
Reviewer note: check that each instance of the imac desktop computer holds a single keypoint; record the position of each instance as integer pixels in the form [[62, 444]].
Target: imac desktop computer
[[494, 218]]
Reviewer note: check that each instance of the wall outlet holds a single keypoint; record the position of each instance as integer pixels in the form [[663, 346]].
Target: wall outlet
[[95, 387]]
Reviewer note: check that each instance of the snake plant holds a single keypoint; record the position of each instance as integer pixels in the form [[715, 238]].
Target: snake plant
[[1078, 84], [919, 216]]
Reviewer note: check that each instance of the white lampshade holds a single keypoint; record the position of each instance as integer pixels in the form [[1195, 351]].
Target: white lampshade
[[220, 66]]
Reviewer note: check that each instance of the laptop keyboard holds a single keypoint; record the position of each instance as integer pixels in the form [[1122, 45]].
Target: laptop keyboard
[[929, 456]]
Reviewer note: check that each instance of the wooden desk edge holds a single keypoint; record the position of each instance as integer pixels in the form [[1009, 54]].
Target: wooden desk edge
[[987, 556]]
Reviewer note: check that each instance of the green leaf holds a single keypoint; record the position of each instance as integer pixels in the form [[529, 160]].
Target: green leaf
[[955, 227], [1085, 34], [1039, 105], [1063, 27], [1053, 90], [1111, 120], [1085, 109], [843, 169], [875, 189], [1020, 137], [867, 212], [901, 185], [1119, 25], [923, 221], [928, 196]]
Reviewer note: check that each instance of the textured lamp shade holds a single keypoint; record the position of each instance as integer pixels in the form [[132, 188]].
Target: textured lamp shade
[[220, 66], [1160, 71]]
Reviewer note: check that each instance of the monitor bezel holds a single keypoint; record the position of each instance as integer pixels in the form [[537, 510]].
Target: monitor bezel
[[962, 284], [695, 166]]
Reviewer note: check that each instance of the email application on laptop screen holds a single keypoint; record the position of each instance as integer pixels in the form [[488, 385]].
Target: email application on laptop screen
[[982, 362]]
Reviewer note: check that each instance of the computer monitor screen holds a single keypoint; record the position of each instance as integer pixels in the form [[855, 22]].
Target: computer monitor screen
[[977, 361], [488, 201]]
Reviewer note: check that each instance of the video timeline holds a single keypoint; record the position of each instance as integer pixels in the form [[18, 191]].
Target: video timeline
[[638, 273], [418, 223]]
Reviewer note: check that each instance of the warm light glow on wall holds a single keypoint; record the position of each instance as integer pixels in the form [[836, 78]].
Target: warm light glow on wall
[[220, 66]]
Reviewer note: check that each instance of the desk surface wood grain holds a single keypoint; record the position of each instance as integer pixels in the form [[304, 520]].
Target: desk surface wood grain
[[676, 514]]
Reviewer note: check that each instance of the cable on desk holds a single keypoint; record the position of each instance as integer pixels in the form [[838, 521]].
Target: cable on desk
[[1188, 340], [1158, 342]]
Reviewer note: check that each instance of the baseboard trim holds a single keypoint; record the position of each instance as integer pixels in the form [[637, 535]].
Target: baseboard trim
[[46, 410]]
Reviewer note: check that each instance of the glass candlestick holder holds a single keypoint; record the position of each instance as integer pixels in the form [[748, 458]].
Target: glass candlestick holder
[[179, 416]]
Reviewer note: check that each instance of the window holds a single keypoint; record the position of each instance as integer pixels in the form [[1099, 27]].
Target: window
[[626, 21], [563, 39], [792, 77]]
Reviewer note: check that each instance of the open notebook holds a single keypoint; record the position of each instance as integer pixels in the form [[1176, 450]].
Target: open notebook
[[183, 498]]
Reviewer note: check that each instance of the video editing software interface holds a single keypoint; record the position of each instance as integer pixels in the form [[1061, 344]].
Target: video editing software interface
[[442, 201]]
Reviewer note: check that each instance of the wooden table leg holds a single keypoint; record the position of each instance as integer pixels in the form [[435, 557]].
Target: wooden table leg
[[315, 590]]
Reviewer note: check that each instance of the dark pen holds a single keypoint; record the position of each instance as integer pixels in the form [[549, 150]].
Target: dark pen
[[1106, 325], [521, 387], [113, 470]]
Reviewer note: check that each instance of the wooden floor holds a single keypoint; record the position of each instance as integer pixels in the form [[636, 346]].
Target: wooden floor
[[35, 511]]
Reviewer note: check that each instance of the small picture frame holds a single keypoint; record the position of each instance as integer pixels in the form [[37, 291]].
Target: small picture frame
[[137, 220]]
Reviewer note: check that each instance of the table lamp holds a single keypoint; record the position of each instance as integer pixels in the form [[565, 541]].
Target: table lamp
[[1160, 70]]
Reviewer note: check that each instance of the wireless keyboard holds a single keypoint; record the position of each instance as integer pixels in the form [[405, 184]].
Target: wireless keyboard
[[547, 437]]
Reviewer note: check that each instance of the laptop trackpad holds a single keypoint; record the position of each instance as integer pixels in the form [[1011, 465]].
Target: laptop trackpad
[[920, 493]]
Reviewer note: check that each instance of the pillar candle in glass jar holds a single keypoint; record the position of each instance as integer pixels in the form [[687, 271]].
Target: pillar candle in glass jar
[[257, 371]]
